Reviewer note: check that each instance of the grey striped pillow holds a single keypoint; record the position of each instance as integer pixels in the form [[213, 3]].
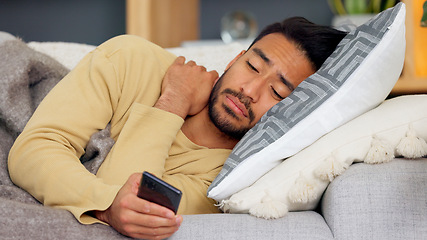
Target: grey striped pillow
[[357, 77]]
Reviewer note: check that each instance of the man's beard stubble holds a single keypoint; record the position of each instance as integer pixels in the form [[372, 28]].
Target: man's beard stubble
[[222, 123]]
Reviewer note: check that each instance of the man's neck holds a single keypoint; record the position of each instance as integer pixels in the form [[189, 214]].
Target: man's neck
[[201, 131]]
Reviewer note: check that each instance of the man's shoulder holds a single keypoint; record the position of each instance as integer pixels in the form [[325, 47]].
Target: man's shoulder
[[132, 43]]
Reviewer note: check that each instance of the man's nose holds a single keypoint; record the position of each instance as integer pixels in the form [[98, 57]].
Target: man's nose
[[253, 88]]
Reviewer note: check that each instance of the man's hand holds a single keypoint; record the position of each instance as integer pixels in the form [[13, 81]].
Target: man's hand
[[138, 218], [186, 88]]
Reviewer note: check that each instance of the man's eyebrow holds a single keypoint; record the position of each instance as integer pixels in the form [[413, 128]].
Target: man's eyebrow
[[261, 54], [286, 82], [267, 60]]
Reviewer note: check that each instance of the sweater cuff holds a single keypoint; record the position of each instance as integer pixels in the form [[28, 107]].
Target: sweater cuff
[[171, 121], [83, 216]]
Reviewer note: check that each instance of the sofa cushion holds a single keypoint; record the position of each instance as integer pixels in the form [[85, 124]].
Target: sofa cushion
[[298, 225], [385, 201], [354, 79]]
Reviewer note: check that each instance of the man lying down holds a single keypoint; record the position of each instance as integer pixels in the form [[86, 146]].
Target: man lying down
[[168, 116]]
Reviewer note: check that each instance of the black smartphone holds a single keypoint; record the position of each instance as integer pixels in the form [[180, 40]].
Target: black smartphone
[[155, 190]]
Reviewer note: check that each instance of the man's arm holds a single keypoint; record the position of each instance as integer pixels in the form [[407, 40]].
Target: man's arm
[[45, 158], [185, 91]]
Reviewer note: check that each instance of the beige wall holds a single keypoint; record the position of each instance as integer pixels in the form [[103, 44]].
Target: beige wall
[[164, 22]]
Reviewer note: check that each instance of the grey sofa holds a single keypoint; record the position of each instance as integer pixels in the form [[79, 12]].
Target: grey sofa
[[385, 201]]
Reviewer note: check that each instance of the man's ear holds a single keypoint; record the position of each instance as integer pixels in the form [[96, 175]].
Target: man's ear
[[235, 59]]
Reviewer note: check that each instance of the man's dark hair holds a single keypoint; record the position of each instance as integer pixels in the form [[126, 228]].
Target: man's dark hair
[[316, 41]]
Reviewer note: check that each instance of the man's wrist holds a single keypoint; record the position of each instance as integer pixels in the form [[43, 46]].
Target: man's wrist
[[173, 104]]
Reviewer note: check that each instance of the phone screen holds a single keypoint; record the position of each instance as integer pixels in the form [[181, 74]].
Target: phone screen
[[155, 190]]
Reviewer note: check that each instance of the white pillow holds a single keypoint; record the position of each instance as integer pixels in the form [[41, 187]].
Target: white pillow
[[66, 53], [354, 79], [213, 57], [397, 127]]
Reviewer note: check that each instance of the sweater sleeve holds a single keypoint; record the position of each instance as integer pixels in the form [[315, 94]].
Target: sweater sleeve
[[45, 157], [143, 144]]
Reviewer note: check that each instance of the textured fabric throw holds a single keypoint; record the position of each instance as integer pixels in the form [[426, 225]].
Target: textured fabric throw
[[290, 126], [26, 76]]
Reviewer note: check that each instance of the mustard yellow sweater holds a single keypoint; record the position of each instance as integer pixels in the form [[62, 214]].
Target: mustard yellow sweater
[[117, 83]]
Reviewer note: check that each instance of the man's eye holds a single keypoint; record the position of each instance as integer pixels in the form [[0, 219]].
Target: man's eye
[[277, 94], [252, 67]]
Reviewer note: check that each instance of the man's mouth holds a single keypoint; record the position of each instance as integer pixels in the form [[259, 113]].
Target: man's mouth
[[236, 106]]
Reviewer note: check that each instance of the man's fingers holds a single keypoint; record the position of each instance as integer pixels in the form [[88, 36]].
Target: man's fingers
[[202, 68], [180, 60], [214, 74], [150, 227], [151, 220], [133, 181], [191, 63], [145, 207]]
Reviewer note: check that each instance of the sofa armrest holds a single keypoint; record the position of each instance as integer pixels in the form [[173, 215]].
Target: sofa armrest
[[384, 201], [20, 220]]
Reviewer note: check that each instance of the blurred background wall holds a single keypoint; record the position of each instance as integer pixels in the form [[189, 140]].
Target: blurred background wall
[[83, 21], [94, 21], [264, 11]]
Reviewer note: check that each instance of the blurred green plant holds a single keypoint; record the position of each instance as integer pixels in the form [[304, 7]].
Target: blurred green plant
[[345, 7], [424, 17]]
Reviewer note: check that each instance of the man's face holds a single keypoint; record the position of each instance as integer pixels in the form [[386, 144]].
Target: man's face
[[254, 82]]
